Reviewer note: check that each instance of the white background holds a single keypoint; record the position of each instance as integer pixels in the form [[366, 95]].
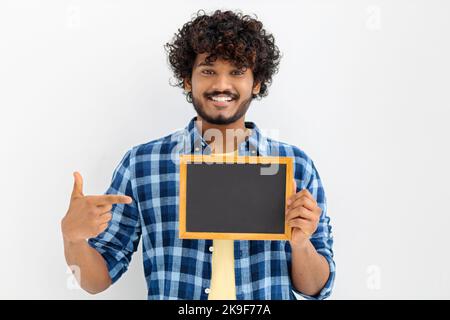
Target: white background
[[363, 89]]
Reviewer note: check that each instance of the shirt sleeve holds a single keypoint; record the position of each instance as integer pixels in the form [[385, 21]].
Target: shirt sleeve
[[322, 239], [121, 238]]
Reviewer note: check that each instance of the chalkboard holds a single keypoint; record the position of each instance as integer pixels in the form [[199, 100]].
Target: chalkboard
[[234, 197]]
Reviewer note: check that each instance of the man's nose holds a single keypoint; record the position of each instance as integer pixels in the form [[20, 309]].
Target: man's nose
[[222, 83]]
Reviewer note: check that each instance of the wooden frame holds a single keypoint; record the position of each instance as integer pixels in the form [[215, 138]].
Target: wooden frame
[[188, 158]]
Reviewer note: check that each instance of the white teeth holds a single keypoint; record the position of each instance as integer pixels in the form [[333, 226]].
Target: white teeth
[[221, 99]]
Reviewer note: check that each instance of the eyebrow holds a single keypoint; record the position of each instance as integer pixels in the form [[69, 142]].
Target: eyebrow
[[204, 63], [209, 64]]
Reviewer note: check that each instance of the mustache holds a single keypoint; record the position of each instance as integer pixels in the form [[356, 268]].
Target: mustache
[[215, 93]]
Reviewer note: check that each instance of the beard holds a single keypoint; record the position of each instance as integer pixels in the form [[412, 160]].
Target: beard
[[220, 119]]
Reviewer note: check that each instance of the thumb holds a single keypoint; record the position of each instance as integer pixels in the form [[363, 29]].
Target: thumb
[[77, 185]]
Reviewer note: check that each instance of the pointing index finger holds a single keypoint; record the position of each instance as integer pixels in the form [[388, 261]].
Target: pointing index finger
[[112, 199]]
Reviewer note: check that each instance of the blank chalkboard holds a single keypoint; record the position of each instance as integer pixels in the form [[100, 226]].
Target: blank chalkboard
[[234, 197]]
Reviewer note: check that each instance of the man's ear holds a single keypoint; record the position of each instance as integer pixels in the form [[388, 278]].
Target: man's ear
[[187, 85], [257, 88]]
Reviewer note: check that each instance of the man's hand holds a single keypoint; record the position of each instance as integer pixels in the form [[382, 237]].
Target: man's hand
[[303, 215], [88, 216]]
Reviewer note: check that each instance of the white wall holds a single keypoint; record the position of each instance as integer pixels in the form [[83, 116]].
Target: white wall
[[363, 88]]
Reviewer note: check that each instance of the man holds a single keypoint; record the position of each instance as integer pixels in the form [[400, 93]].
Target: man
[[223, 61]]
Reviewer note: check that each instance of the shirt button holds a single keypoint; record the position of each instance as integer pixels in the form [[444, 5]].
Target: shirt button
[[253, 151], [207, 290], [211, 249], [197, 149]]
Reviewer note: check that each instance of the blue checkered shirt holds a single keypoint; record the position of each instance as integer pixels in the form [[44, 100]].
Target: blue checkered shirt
[[181, 268]]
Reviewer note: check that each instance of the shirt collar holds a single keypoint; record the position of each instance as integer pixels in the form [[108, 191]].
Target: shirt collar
[[255, 145]]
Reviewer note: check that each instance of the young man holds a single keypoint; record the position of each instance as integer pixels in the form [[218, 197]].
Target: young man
[[223, 61]]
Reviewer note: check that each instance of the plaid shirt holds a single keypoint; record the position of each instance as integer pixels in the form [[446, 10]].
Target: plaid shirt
[[181, 268]]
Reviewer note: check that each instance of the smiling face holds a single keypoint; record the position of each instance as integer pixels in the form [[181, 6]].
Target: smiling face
[[221, 93]]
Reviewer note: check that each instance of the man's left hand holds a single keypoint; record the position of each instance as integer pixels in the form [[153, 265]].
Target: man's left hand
[[303, 215]]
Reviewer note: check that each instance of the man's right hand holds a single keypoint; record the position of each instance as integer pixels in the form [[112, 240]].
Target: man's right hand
[[88, 216]]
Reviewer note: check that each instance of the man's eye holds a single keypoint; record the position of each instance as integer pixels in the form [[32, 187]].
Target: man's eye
[[207, 71], [238, 72]]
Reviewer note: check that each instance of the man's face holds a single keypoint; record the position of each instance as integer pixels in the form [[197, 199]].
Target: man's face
[[221, 93]]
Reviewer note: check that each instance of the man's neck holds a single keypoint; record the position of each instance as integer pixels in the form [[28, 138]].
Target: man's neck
[[223, 138]]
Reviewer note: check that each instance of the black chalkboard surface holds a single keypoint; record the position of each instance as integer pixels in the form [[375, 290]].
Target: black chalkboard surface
[[234, 197]]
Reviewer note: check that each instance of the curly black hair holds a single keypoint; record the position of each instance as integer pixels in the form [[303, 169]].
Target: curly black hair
[[229, 35]]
